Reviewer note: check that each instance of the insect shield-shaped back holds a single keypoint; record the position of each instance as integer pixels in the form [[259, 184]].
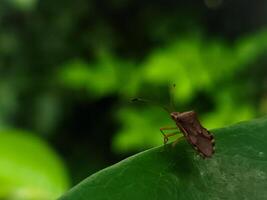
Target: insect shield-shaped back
[[199, 137]]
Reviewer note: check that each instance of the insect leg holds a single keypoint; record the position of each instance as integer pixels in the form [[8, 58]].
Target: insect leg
[[166, 138], [168, 135]]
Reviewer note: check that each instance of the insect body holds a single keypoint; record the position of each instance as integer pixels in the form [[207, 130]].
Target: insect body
[[199, 137], [196, 135]]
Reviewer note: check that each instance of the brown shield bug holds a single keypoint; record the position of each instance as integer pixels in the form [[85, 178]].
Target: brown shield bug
[[196, 135], [188, 124]]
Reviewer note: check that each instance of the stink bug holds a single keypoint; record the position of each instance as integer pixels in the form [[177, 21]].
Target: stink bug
[[195, 134]]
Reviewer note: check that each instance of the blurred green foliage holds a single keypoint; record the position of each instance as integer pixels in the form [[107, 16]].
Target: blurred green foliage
[[29, 169], [194, 63]]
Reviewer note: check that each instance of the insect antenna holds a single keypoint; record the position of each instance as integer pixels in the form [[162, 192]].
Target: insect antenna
[[151, 102]]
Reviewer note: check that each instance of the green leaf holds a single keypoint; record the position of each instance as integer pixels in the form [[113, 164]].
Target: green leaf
[[29, 168], [238, 170]]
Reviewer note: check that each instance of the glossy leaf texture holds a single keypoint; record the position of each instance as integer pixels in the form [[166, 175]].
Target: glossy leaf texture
[[238, 170]]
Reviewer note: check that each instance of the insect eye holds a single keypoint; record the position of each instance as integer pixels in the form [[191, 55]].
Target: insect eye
[[173, 117]]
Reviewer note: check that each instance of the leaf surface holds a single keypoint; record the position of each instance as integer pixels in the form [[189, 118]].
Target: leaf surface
[[238, 170]]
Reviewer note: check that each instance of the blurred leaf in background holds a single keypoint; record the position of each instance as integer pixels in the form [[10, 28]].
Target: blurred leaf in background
[[29, 168], [23, 5]]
